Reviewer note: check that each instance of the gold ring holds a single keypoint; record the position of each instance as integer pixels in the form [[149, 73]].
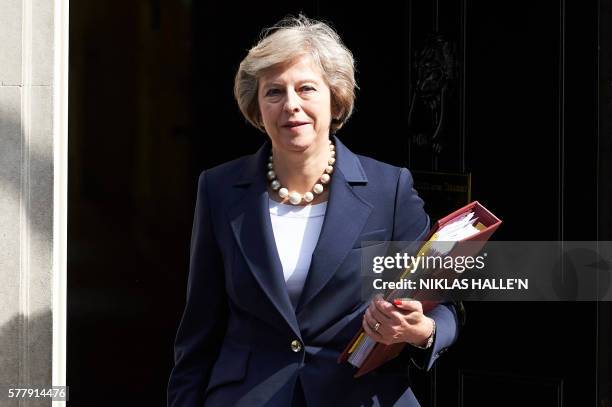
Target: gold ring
[[376, 327]]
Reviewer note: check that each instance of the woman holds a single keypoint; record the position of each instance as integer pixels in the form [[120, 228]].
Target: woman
[[274, 289]]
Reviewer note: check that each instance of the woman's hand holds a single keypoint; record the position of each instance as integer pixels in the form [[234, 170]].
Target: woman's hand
[[402, 321]]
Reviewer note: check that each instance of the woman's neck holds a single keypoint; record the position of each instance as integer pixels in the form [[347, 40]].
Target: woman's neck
[[300, 171]]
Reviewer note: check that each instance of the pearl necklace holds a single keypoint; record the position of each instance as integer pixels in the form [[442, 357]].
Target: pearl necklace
[[295, 197]]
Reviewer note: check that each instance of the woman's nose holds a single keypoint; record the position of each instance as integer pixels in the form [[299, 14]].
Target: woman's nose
[[292, 102]]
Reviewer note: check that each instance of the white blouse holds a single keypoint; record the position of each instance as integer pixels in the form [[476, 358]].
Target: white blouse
[[296, 232]]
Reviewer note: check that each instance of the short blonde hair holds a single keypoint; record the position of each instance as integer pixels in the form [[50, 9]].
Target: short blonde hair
[[290, 38]]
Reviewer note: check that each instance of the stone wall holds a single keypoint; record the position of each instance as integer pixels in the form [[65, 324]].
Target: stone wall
[[32, 140]]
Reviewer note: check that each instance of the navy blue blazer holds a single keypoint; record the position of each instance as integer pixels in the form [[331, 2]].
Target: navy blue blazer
[[241, 342]]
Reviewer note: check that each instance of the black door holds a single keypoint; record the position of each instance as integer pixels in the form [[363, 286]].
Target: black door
[[509, 100]]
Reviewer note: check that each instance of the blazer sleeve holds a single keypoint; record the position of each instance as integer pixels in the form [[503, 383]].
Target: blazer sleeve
[[204, 319], [411, 223]]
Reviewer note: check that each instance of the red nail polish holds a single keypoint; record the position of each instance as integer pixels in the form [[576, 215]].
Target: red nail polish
[[397, 302]]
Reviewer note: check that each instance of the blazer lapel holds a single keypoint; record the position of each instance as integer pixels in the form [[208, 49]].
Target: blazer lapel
[[345, 218], [252, 229]]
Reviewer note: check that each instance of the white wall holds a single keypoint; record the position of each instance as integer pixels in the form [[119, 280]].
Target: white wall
[[33, 183]]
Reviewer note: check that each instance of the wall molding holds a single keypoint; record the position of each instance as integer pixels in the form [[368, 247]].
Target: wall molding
[[60, 191], [24, 193]]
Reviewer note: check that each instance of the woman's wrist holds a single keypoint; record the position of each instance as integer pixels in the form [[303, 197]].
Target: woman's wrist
[[428, 341]]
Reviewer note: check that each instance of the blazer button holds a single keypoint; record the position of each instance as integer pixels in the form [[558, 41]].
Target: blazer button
[[296, 346]]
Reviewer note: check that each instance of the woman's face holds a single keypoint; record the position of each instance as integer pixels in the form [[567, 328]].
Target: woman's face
[[295, 105]]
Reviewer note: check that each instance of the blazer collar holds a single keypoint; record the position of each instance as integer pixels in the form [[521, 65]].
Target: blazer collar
[[345, 217], [250, 221]]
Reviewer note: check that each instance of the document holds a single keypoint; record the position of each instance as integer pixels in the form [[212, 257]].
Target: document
[[472, 222]]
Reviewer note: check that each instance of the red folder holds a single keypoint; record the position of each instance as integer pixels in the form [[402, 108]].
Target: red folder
[[381, 353]]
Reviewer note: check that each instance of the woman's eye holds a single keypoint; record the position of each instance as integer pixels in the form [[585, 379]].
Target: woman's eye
[[272, 92], [308, 88]]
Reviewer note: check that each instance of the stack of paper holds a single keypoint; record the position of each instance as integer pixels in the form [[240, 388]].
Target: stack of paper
[[460, 228]]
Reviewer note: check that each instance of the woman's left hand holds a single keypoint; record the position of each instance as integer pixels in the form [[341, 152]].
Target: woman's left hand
[[402, 321]]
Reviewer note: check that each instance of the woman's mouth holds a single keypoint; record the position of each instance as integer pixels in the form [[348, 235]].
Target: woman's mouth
[[295, 125]]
